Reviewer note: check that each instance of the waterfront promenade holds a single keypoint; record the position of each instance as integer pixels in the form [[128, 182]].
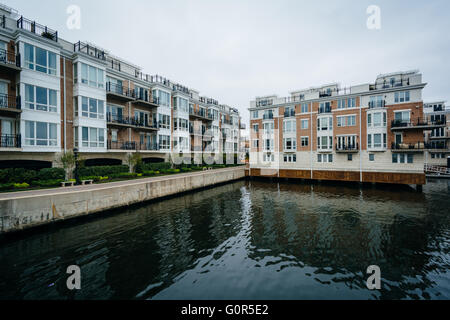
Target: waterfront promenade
[[22, 210]]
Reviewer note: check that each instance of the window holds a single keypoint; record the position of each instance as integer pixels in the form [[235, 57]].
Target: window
[[304, 124], [342, 104], [394, 158], [402, 96], [164, 121], [115, 113], [114, 135], [402, 116], [92, 76], [93, 137], [289, 126], [325, 124], [325, 142], [94, 109], [371, 157], [304, 108], [255, 144], [268, 157], [410, 158], [305, 141], [40, 60], [42, 99], [325, 158], [268, 145], [290, 158], [351, 103], [349, 157], [256, 128], [40, 133], [268, 128], [164, 142], [181, 104], [290, 144], [346, 121], [255, 115]]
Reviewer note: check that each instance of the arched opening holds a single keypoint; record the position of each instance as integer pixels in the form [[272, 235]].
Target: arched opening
[[26, 164], [102, 162], [153, 160]]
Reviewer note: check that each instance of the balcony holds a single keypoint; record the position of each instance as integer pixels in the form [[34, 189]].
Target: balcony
[[89, 50], [268, 116], [388, 85], [418, 124], [347, 148], [119, 92], [228, 122], [122, 145], [40, 30], [146, 100], [445, 136], [9, 60], [10, 141], [289, 114], [377, 104], [10, 105], [200, 115], [418, 147], [114, 120]]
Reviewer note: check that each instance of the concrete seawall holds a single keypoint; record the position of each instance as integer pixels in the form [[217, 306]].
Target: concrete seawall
[[23, 210]]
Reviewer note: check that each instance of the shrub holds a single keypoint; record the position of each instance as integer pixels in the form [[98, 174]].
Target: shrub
[[186, 169], [102, 171], [156, 166], [149, 173], [21, 185], [123, 175], [48, 183], [51, 174], [6, 186]]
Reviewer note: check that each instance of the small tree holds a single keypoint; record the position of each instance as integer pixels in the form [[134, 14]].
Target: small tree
[[67, 161], [134, 159]]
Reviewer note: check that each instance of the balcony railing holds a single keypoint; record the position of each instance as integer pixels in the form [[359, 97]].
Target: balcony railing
[[132, 146], [387, 85], [131, 121], [324, 109], [420, 145], [9, 57], [89, 50], [377, 104], [38, 29], [268, 116], [10, 102], [10, 141], [324, 94], [290, 113], [419, 122], [120, 90], [347, 147]]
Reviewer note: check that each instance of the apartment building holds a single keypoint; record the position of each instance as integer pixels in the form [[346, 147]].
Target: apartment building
[[438, 138], [371, 132], [57, 96]]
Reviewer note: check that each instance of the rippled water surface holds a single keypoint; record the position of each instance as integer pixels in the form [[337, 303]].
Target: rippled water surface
[[246, 240]]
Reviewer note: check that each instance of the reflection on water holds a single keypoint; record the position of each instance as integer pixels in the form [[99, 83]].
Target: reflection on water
[[246, 240]]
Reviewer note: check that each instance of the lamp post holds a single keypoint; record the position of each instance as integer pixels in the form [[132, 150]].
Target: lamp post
[[75, 153]]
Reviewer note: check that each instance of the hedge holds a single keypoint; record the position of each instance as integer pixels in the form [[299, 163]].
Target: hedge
[[153, 167], [21, 175], [104, 171]]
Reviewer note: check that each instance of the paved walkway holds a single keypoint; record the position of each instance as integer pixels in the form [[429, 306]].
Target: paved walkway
[[33, 193]]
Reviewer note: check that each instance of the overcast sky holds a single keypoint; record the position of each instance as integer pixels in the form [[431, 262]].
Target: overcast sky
[[235, 50]]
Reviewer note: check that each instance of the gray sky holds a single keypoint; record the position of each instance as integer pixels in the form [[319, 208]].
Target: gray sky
[[235, 50]]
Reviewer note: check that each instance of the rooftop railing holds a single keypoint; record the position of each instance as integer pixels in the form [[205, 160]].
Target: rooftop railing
[[390, 84], [89, 50], [37, 28]]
